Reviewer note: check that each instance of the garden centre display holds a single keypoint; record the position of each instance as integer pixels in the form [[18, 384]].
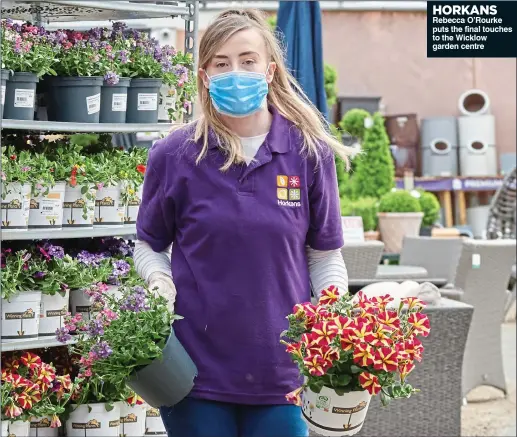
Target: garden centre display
[[439, 146], [349, 349]]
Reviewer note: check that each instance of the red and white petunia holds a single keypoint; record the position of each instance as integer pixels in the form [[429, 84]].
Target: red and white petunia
[[317, 365], [364, 331], [370, 383], [348, 339], [414, 349], [294, 397], [134, 399], [420, 324], [309, 340], [324, 332], [343, 322], [363, 355], [329, 296], [331, 354], [386, 359], [381, 301], [413, 303], [55, 423], [381, 337], [405, 369], [12, 410], [295, 349], [389, 319], [30, 360]]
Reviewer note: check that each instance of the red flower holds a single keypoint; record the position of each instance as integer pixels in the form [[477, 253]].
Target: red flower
[[140, 168], [317, 365], [348, 339], [420, 324], [413, 302], [382, 301], [294, 397], [295, 349], [414, 349], [386, 359], [343, 322], [324, 332], [329, 296], [370, 383], [389, 319], [30, 360], [381, 337], [405, 370], [363, 355], [309, 340], [13, 157], [363, 331]]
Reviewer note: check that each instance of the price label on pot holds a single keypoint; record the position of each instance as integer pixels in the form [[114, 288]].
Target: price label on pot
[[23, 98], [93, 104], [147, 102], [3, 94], [119, 102], [51, 207]]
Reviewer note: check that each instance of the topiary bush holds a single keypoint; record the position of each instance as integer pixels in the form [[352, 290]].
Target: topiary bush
[[430, 207], [365, 207], [353, 122], [374, 171], [399, 201]]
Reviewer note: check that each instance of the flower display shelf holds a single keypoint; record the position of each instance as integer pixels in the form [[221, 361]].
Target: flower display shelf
[[62, 10], [38, 343], [36, 234], [58, 126]]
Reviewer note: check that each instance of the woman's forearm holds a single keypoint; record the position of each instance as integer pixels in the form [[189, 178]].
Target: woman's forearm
[[327, 267], [147, 261]]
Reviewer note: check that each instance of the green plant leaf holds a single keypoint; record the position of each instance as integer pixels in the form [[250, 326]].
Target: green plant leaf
[[355, 369]]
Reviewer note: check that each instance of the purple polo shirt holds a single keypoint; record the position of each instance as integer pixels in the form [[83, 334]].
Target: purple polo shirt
[[238, 257]]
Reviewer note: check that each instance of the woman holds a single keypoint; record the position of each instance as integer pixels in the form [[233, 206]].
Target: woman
[[248, 198]]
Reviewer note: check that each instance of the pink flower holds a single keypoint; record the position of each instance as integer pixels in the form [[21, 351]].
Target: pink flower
[[4, 177], [25, 169], [39, 186], [100, 185], [88, 373]]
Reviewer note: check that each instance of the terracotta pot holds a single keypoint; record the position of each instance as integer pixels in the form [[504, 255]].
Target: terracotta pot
[[394, 226], [372, 235]]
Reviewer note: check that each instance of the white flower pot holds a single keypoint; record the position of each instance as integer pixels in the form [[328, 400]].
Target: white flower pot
[[80, 302], [20, 316], [15, 205], [394, 226], [153, 422], [19, 428], [47, 210], [133, 206], [5, 427], [109, 211], [328, 414], [74, 205], [40, 427], [93, 420], [53, 311], [132, 420]]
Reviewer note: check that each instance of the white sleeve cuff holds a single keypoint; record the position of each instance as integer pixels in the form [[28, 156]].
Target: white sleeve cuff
[[147, 261], [327, 267]]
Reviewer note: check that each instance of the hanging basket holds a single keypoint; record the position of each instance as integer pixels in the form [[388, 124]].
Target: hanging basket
[[328, 414]]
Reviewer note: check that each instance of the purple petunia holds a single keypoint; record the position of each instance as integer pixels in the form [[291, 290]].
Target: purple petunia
[[63, 335], [102, 349], [111, 78], [136, 301], [96, 327], [54, 251], [39, 275]]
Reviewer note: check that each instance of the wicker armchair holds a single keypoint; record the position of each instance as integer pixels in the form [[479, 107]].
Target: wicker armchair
[[501, 221], [362, 259], [485, 288]]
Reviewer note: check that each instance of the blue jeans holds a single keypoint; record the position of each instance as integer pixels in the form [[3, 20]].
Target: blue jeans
[[200, 418]]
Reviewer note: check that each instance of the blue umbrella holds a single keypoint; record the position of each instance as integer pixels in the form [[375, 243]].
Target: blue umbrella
[[300, 23]]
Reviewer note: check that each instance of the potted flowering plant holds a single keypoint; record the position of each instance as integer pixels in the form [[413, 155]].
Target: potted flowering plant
[[132, 416], [40, 395], [16, 188], [153, 363], [76, 95], [180, 87], [20, 300], [349, 349], [48, 194], [109, 209], [80, 189], [133, 166], [28, 52]]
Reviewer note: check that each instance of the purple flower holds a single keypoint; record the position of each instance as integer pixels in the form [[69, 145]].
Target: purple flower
[[111, 78], [54, 251], [39, 275], [180, 70], [102, 349], [166, 65], [95, 33], [96, 328], [63, 335], [122, 55], [136, 301]]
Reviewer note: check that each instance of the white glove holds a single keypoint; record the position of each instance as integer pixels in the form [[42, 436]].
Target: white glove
[[164, 287]]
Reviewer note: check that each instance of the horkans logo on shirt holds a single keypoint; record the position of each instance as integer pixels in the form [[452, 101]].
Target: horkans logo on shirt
[[288, 191]]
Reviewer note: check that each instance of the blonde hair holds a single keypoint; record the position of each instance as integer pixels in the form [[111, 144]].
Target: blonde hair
[[284, 93]]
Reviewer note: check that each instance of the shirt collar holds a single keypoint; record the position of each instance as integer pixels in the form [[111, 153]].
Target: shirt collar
[[278, 139]]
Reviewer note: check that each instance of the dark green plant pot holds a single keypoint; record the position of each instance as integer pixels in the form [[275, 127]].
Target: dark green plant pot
[[20, 96], [75, 99], [142, 100], [165, 382], [114, 101], [4, 75], [426, 231]]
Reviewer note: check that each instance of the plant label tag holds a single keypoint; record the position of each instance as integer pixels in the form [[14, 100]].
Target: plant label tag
[[476, 260], [23, 98], [93, 104], [51, 208], [147, 102], [119, 102], [3, 94]]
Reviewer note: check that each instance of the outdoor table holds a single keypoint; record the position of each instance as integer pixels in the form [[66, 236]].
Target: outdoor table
[[388, 272], [357, 283]]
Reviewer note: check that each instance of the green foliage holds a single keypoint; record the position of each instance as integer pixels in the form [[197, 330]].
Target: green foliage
[[430, 207], [365, 207], [374, 173], [330, 83], [399, 201], [271, 21], [353, 122], [343, 177]]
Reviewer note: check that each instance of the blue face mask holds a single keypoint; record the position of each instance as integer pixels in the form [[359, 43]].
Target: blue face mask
[[238, 93]]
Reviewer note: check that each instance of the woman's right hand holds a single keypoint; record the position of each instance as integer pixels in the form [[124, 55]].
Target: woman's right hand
[[162, 285]]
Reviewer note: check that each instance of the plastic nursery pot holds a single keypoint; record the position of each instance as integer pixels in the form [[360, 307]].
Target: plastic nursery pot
[[92, 420], [142, 100], [15, 205], [75, 205], [329, 414], [109, 211], [20, 94], [46, 210], [168, 380], [40, 427], [75, 99], [4, 75], [52, 313], [20, 316], [114, 101]]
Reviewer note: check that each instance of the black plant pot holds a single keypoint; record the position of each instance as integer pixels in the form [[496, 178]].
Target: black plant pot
[[426, 231], [167, 381], [114, 101], [142, 100], [4, 75], [20, 96]]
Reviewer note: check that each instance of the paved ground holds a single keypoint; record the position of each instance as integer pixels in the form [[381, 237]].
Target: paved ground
[[488, 412]]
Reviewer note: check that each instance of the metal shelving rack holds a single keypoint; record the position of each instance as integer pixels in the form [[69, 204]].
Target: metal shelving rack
[[46, 11]]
